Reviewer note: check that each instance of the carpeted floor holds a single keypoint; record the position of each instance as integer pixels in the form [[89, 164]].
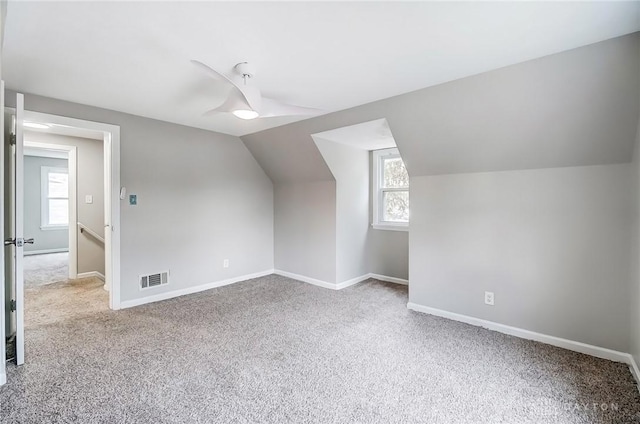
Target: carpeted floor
[[274, 350], [45, 269], [55, 303]]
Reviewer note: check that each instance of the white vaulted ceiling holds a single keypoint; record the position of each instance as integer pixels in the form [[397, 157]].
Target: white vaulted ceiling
[[134, 56]]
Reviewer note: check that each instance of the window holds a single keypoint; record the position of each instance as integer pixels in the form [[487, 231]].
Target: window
[[54, 198], [390, 191]]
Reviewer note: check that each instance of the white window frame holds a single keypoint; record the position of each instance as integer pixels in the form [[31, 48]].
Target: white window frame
[[44, 197], [378, 177]]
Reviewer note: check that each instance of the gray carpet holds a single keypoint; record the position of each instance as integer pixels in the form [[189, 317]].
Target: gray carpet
[[45, 269], [273, 350], [55, 303]]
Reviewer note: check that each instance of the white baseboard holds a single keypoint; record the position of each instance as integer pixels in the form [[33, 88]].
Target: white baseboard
[[597, 351], [90, 274], [351, 282], [390, 279], [46, 251], [342, 285], [190, 290], [633, 367], [315, 282]]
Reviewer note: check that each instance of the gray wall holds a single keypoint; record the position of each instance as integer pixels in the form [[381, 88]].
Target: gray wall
[[574, 108], [43, 239], [552, 244], [579, 107], [304, 205], [305, 229], [90, 180], [389, 253], [350, 167], [322, 226], [202, 198], [3, 18]]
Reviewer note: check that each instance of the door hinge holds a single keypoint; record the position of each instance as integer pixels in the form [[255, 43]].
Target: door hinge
[[12, 305], [12, 139]]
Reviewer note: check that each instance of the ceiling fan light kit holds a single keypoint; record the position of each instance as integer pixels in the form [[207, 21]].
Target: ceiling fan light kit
[[245, 101], [246, 113]]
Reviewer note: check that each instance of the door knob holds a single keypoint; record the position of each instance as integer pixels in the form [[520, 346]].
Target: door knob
[[18, 242]]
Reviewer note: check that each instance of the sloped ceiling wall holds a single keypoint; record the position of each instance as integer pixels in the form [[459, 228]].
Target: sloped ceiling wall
[[288, 155], [579, 107]]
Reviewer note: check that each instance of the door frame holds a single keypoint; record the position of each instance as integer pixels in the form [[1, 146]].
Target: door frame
[[72, 163], [3, 304], [111, 144]]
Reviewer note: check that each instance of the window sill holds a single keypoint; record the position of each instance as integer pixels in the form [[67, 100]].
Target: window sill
[[53, 227], [391, 227]]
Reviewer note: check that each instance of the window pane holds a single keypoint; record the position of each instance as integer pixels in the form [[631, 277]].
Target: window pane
[[58, 212], [395, 174], [395, 206], [58, 185]]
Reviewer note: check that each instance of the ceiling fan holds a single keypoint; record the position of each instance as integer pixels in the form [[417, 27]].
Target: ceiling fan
[[246, 102]]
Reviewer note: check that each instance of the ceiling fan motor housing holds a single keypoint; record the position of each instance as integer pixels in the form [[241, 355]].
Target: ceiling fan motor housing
[[245, 69]]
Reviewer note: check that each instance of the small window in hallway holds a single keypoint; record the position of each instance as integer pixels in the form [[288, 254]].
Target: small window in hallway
[[54, 197], [390, 190]]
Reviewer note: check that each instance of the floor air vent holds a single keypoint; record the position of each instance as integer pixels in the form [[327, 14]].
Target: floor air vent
[[153, 280]]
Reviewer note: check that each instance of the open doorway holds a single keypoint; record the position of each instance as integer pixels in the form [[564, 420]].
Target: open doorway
[[79, 201], [63, 191]]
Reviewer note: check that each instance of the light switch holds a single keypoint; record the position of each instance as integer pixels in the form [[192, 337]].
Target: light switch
[[88, 199], [133, 199]]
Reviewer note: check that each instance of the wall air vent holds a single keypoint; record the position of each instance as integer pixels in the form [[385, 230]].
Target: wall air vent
[[153, 280]]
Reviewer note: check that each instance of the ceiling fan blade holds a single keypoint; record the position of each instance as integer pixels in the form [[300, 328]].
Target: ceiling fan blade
[[272, 108], [250, 95], [253, 97], [213, 73], [233, 102]]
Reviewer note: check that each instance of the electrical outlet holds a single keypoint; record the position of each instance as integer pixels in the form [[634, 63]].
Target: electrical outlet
[[488, 298], [225, 263]]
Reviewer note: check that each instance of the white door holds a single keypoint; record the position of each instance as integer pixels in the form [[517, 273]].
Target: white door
[[16, 240], [3, 323]]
